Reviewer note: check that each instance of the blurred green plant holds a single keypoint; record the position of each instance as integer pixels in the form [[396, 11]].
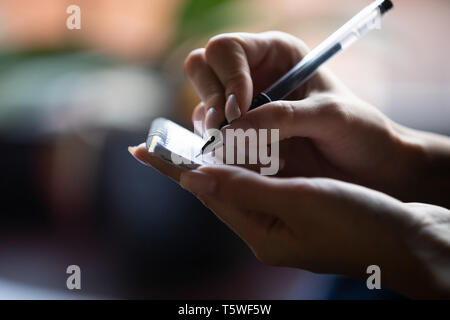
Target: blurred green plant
[[200, 18]]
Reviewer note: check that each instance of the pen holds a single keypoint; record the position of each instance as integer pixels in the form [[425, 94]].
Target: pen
[[365, 21]]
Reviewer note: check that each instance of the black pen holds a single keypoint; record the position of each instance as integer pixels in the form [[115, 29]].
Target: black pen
[[365, 21]]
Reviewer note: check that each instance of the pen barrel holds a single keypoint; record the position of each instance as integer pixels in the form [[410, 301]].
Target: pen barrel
[[301, 73], [366, 20], [259, 100]]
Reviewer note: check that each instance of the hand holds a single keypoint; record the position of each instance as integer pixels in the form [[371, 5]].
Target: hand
[[324, 225], [243, 65], [325, 131]]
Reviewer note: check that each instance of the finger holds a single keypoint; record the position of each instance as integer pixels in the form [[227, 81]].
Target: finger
[[270, 55], [247, 63], [314, 117], [141, 154], [207, 86], [245, 201], [241, 187], [273, 53], [198, 118], [228, 59]]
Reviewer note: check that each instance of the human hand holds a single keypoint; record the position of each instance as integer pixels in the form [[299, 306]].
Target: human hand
[[325, 225], [329, 226], [325, 131]]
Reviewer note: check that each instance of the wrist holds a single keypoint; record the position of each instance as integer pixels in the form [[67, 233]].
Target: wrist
[[411, 157], [426, 159], [427, 245], [416, 255]]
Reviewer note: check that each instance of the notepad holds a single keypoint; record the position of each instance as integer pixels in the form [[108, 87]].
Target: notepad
[[176, 145]]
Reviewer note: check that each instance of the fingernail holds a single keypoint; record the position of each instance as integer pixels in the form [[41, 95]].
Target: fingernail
[[198, 182], [232, 111], [131, 150], [212, 119]]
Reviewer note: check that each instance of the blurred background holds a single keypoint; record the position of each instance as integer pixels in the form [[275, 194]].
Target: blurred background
[[71, 101]]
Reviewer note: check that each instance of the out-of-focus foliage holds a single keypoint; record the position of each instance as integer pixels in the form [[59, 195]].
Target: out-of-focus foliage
[[199, 18]]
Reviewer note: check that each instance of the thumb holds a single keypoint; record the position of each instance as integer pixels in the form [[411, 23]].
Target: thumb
[[244, 200], [311, 117], [235, 186], [242, 187]]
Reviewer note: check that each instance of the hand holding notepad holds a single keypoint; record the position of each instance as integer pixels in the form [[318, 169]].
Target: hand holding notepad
[[176, 145]]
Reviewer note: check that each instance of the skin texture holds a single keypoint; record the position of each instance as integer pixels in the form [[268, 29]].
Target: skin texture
[[284, 220], [334, 133], [335, 211]]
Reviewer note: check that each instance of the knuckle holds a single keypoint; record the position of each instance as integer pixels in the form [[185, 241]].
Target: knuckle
[[288, 111], [220, 43], [228, 46], [237, 80], [298, 44], [283, 112], [193, 61], [333, 107], [290, 42], [294, 40]]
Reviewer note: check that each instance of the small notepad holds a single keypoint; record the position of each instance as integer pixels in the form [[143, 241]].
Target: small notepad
[[176, 145]]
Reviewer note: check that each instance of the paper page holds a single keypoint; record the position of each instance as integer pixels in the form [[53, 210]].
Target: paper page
[[168, 139]]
